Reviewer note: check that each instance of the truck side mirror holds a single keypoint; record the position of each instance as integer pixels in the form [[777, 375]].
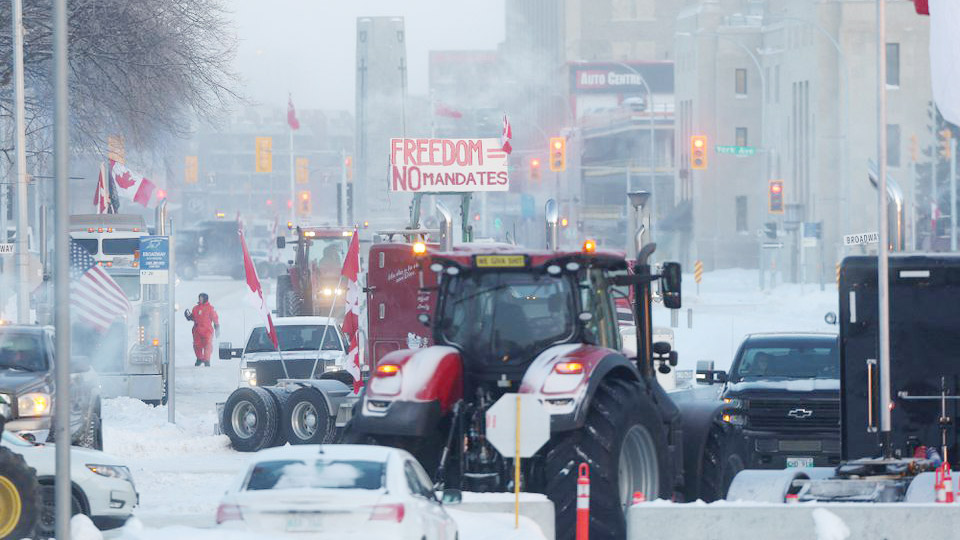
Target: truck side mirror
[[670, 280], [281, 242], [227, 352], [704, 373]]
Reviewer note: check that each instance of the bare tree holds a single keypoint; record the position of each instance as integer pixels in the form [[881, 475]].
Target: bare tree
[[143, 69]]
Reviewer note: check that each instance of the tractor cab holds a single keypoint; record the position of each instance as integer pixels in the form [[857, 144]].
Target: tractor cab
[[503, 307]]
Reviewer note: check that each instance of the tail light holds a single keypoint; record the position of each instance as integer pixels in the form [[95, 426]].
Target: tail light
[[229, 512], [385, 512]]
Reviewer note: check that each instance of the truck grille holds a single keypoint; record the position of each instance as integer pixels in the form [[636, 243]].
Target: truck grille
[[793, 415], [270, 371]]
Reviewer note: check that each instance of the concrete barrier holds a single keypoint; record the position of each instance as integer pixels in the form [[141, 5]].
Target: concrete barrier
[[532, 505], [807, 521]]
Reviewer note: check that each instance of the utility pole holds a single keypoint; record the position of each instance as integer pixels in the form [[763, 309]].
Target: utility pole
[[20, 140], [343, 189], [883, 272], [61, 152], [953, 193]]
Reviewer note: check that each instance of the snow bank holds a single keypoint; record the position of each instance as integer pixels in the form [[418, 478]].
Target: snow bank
[[494, 526], [135, 429], [829, 525]]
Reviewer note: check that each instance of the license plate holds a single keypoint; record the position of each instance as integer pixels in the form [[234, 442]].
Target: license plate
[[799, 462], [501, 261], [304, 524]]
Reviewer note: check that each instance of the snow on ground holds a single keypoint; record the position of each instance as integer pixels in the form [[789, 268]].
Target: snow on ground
[[182, 470]]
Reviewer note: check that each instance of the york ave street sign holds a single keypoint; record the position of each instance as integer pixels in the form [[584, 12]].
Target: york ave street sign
[[736, 150], [502, 425], [860, 239]]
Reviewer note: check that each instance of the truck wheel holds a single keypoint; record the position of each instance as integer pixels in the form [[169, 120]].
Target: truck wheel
[[623, 442], [250, 419], [280, 399], [307, 418], [720, 465], [48, 518], [19, 496]]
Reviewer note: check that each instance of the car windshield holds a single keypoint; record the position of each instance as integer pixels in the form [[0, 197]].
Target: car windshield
[[789, 360], [327, 254], [21, 351], [120, 246], [89, 244], [295, 338], [319, 474], [506, 315], [130, 283]]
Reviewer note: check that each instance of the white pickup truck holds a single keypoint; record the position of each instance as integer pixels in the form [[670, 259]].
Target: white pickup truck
[[301, 394]]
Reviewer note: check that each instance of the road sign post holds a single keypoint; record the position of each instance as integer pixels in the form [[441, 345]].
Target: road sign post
[[503, 421], [698, 274]]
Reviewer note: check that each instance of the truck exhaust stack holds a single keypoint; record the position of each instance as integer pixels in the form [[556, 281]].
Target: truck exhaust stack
[[553, 232]]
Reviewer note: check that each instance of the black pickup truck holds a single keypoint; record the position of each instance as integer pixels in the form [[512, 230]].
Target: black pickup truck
[[27, 384], [783, 394]]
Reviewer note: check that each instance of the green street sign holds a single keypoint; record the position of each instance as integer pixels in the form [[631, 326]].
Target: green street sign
[[736, 150]]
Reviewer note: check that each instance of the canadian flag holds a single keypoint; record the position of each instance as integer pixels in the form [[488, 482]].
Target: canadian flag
[[292, 115], [101, 199], [506, 136], [440, 109], [351, 321], [256, 291], [136, 188]]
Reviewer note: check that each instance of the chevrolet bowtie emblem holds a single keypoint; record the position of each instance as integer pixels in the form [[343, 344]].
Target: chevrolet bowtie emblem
[[800, 413]]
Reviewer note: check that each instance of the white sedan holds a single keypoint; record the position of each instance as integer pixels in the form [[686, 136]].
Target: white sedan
[[336, 491], [103, 486]]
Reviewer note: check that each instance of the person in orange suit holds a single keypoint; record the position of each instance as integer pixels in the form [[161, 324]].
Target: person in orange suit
[[206, 324]]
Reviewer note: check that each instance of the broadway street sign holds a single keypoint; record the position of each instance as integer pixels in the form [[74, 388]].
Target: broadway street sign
[[860, 239]]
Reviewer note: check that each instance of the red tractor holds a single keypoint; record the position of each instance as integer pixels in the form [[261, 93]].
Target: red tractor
[[542, 322], [312, 283]]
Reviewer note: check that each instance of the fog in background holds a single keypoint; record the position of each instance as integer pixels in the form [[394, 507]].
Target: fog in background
[[308, 47]]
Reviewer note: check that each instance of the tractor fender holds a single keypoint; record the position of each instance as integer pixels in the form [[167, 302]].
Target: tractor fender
[[699, 417], [566, 396]]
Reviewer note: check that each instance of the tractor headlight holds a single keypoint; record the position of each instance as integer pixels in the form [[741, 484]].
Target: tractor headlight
[[327, 291], [249, 375], [34, 404]]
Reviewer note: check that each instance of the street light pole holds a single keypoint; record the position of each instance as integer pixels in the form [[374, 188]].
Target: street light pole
[[653, 148], [883, 273], [20, 142]]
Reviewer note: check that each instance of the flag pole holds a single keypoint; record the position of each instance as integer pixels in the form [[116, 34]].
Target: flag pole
[[323, 337]]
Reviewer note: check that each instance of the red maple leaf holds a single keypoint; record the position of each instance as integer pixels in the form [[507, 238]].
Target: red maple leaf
[[124, 180]]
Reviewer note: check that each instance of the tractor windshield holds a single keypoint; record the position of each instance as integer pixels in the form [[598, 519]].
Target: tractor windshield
[[506, 318]]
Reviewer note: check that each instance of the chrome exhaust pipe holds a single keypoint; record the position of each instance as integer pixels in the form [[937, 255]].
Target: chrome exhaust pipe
[[552, 214], [640, 220]]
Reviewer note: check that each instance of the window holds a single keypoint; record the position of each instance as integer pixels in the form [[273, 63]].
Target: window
[[893, 64], [741, 213], [893, 145], [741, 136], [321, 474], [741, 82], [295, 338]]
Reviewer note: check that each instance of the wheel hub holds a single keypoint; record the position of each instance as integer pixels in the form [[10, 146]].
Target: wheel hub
[[244, 419], [304, 420], [639, 467], [10, 506]]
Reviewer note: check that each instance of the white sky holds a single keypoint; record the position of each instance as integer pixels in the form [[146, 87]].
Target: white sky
[[308, 47]]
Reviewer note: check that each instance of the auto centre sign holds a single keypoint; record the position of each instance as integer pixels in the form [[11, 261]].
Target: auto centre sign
[[448, 165], [621, 77]]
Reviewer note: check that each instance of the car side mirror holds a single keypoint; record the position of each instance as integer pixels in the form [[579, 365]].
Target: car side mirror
[[80, 364], [451, 496], [281, 242], [830, 318], [670, 282]]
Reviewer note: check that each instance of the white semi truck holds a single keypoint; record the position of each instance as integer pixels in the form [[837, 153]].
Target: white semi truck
[[130, 356]]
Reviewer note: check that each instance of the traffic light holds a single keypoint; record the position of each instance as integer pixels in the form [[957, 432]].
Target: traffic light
[[535, 170], [945, 136], [770, 229], [303, 170], [303, 203], [776, 196], [558, 154], [698, 152]]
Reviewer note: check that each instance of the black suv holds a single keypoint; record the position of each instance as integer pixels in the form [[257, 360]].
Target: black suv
[[783, 394], [27, 383]]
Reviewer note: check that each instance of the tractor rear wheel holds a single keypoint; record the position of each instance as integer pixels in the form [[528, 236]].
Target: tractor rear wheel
[[624, 444], [19, 496], [288, 301]]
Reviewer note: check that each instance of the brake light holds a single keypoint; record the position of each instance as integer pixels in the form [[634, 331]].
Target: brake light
[[387, 512], [569, 368], [228, 512], [388, 370]]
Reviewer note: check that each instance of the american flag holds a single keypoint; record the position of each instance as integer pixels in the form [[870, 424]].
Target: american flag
[[94, 296]]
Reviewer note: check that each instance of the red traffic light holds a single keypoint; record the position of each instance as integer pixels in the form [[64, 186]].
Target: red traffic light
[[534, 162], [776, 188]]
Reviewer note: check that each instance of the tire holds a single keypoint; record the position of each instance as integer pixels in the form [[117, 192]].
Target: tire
[[280, 399], [92, 436], [47, 525], [622, 429], [250, 433], [288, 302], [720, 465], [307, 418], [19, 496]]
